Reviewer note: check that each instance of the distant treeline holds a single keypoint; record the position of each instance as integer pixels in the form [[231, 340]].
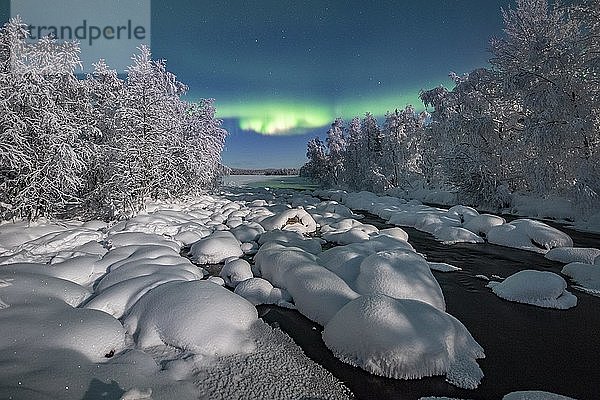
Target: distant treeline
[[268, 171]]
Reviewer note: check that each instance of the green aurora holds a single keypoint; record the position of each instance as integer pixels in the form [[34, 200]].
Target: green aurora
[[288, 117]]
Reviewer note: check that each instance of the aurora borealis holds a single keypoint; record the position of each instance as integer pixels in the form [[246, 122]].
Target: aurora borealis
[[281, 71]]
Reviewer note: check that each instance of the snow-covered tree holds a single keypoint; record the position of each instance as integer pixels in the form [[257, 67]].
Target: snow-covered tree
[[45, 124], [336, 144], [316, 167], [546, 63], [355, 156], [402, 135], [99, 145]]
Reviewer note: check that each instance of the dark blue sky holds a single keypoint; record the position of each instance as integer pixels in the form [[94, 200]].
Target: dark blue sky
[[286, 69]]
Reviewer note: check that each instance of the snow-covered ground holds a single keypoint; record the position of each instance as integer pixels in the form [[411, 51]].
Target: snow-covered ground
[[162, 305]]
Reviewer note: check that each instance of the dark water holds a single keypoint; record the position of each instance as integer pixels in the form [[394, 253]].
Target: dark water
[[526, 347]]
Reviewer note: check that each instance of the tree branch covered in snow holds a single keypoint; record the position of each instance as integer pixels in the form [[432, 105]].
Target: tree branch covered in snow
[[530, 123], [99, 145]]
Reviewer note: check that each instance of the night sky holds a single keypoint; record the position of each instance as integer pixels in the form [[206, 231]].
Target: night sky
[[281, 71]]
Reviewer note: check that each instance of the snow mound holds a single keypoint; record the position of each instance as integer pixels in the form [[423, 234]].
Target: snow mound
[[454, 234], [117, 299], [121, 239], [586, 275], [297, 220], [567, 255], [78, 270], [260, 291], [347, 236], [248, 231], [216, 248], [395, 232], [236, 271], [538, 288], [31, 288], [345, 261], [198, 316], [92, 333], [404, 339], [399, 274], [255, 290], [535, 395], [43, 248], [173, 266], [443, 267], [289, 238], [317, 292], [464, 213], [481, 224], [529, 235]]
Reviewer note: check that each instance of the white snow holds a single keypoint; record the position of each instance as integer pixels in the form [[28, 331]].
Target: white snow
[[297, 220], [534, 395], [57, 325], [317, 292], [255, 290], [539, 288], [215, 248], [443, 267], [236, 271], [18, 287], [481, 224], [395, 232], [587, 276], [455, 234], [567, 255], [199, 316], [289, 238], [404, 338], [400, 274], [529, 235]]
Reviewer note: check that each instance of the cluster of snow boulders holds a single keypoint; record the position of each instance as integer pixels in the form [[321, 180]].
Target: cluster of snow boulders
[[375, 296], [458, 224], [84, 305]]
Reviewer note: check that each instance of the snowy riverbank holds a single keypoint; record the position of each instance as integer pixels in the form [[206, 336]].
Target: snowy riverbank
[[169, 329]]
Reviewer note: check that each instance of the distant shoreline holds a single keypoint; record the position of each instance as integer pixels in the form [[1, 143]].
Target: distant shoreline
[[266, 171]]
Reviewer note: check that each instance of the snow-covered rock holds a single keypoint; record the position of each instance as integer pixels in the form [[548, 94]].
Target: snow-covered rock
[[529, 235], [236, 271], [248, 231], [117, 299], [121, 239], [406, 339], [91, 333], [395, 232], [297, 220], [317, 292], [31, 288], [534, 395], [255, 290], [399, 274], [481, 224], [538, 288], [455, 234], [567, 255], [294, 239], [198, 316], [587, 276], [215, 248]]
